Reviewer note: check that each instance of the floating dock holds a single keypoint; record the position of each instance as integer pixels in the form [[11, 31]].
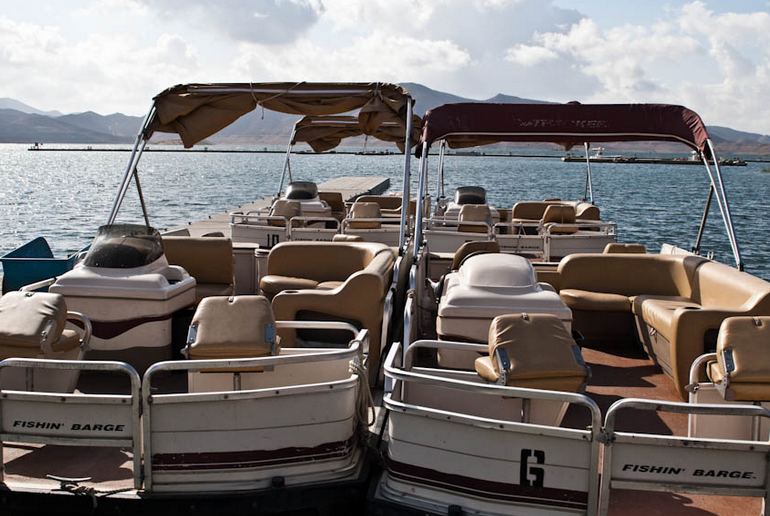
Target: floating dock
[[350, 187]]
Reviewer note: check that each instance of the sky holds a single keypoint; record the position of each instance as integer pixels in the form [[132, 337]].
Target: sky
[[114, 55]]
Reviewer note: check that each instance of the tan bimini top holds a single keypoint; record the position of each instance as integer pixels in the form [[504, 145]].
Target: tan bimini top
[[324, 133], [196, 111]]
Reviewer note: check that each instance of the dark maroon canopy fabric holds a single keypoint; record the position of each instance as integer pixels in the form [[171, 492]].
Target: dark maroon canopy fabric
[[473, 124]]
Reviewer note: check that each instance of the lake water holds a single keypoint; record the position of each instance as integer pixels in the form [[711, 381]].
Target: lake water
[[65, 196]]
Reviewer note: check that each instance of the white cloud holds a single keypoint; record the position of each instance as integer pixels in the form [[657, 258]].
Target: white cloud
[[528, 55]]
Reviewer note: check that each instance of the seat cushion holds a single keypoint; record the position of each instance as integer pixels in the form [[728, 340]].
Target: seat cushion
[[660, 313], [233, 327], [329, 285], [595, 301], [31, 319], [638, 301], [541, 352], [273, 284]]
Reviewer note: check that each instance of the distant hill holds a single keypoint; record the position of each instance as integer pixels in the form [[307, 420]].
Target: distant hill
[[6, 103], [19, 127], [21, 123]]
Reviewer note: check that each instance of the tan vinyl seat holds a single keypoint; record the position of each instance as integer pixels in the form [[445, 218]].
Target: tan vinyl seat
[[532, 210], [207, 259], [559, 214], [284, 208], [364, 210], [474, 213], [32, 325], [472, 248], [232, 327], [335, 201], [587, 211], [347, 238], [618, 248], [350, 279], [742, 369], [539, 351]]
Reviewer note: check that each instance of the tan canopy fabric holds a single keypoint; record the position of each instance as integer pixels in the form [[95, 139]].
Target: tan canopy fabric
[[324, 133], [473, 124], [196, 111]]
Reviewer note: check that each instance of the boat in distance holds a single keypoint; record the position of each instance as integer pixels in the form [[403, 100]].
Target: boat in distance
[[420, 353]]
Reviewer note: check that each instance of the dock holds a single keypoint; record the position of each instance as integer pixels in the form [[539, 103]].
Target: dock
[[350, 187]]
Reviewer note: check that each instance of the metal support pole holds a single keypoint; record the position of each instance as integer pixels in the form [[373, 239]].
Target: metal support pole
[[696, 247], [133, 160], [286, 164], [727, 215], [440, 176], [141, 198], [589, 191], [407, 178], [723, 209], [420, 200]]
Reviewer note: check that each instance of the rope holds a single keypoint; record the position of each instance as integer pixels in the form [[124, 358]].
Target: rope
[[366, 402], [261, 103]]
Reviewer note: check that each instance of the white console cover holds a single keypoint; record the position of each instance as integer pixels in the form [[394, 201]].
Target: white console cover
[[489, 285]]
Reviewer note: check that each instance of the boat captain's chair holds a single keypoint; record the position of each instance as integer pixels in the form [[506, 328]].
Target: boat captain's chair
[[534, 351], [364, 210], [559, 214], [335, 201], [285, 208], [618, 248], [232, 327], [479, 216], [32, 325]]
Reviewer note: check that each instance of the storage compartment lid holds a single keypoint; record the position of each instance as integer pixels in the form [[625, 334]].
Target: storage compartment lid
[[742, 372], [533, 351]]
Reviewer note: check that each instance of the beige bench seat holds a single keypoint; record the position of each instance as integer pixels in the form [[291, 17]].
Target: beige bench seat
[[742, 369], [595, 301], [207, 259], [274, 283]]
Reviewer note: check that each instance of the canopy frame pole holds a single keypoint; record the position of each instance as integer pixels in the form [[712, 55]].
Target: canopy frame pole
[[141, 197], [287, 162], [588, 194], [720, 203], [133, 161], [440, 178], [405, 194], [727, 216], [420, 200], [696, 246]]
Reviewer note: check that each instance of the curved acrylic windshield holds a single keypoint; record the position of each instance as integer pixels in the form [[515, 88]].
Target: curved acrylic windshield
[[124, 246]]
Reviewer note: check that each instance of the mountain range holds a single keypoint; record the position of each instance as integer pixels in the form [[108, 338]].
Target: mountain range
[[21, 123]]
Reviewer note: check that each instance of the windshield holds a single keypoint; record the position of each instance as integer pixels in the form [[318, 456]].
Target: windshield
[[124, 246]]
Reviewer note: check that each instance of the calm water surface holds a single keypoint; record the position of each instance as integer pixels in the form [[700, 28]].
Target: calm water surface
[[65, 196]]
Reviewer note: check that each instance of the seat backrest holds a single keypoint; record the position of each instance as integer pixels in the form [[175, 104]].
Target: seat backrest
[[31, 320], [618, 248], [322, 261], [537, 349], [233, 327], [364, 210], [474, 213], [284, 208], [629, 274], [559, 213], [470, 195], [472, 248], [341, 237], [207, 259], [587, 211], [334, 200], [385, 202], [530, 210], [717, 285]]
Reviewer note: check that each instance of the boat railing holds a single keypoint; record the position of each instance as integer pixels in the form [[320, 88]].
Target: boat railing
[[656, 462], [590, 436], [73, 419]]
